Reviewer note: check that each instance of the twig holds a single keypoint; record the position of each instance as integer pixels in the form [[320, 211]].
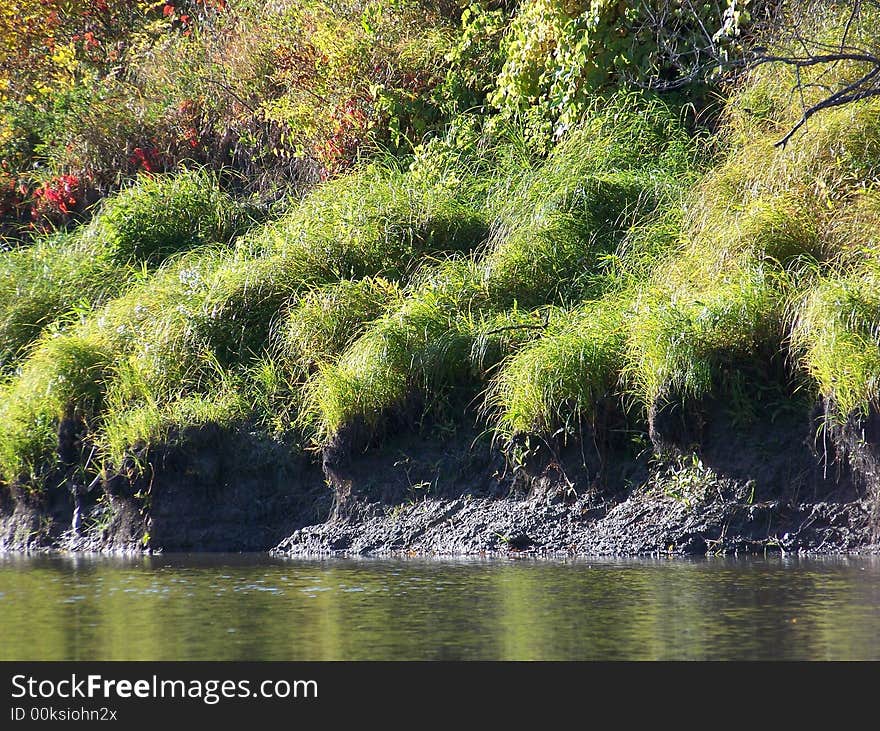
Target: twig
[[848, 94]]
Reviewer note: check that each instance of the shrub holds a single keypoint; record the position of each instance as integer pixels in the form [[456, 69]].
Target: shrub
[[559, 54]]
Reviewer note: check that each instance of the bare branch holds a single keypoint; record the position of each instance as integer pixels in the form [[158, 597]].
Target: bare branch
[[847, 95]]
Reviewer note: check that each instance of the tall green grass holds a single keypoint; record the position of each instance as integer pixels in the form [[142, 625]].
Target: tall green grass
[[556, 245], [161, 215], [69, 274], [179, 334], [401, 349], [428, 351], [626, 268], [328, 318], [51, 279], [65, 378], [836, 335], [552, 237], [376, 221], [133, 431], [559, 379], [678, 340]]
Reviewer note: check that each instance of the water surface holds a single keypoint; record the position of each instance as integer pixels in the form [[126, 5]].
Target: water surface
[[255, 608]]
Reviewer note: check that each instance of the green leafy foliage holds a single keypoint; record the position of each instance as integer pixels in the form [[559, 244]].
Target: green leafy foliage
[[560, 52]]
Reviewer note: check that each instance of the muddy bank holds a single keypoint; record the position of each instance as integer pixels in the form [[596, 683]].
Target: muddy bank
[[209, 490], [703, 484], [763, 492]]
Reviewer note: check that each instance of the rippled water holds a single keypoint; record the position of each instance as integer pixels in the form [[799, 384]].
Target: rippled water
[[254, 608]]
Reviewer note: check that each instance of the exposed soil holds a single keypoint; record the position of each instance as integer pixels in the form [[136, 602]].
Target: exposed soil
[[765, 490], [211, 490], [718, 487]]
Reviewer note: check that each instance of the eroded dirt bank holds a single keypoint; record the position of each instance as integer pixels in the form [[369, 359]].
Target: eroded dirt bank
[[212, 491], [716, 489]]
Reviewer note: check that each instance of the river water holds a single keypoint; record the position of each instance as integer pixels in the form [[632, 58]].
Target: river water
[[222, 607]]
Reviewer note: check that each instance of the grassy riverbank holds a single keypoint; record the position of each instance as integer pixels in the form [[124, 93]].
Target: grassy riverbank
[[636, 260]]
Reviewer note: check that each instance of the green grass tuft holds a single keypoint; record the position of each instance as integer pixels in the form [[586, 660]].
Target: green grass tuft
[[46, 282], [836, 334], [376, 221], [327, 319], [558, 379], [678, 340], [435, 347], [161, 215], [65, 378]]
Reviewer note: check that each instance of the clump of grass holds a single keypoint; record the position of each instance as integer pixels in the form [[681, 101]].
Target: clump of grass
[[380, 369], [376, 221], [64, 378], [567, 235], [852, 231], [558, 379], [327, 319], [678, 340], [161, 215], [780, 231], [432, 347], [838, 151], [835, 334], [139, 227], [315, 328], [638, 253], [626, 164], [43, 283]]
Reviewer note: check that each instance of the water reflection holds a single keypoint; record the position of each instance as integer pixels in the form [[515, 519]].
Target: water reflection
[[253, 608]]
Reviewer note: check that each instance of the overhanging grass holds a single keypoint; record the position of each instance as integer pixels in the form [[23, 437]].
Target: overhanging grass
[[432, 347], [327, 319], [382, 367], [181, 331], [551, 249], [550, 242], [836, 334], [312, 332], [550, 287], [45, 282], [558, 379], [65, 378], [677, 340], [132, 431]]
